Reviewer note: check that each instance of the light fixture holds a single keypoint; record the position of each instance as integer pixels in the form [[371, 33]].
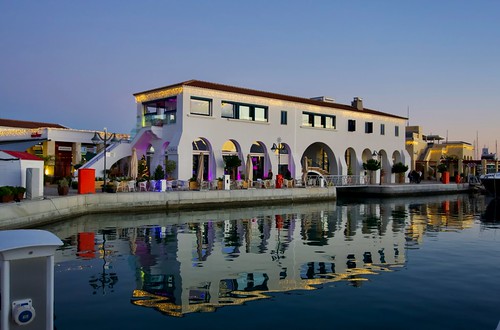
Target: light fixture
[[98, 139]]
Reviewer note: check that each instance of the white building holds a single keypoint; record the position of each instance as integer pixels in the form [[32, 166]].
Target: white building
[[183, 121]]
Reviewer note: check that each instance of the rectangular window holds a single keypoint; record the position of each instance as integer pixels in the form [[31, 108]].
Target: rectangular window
[[260, 114], [382, 129], [396, 131], [368, 127], [351, 125], [284, 118], [201, 106], [244, 112], [227, 110], [318, 120]]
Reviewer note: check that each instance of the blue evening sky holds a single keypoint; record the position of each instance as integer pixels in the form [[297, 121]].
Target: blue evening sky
[[78, 63]]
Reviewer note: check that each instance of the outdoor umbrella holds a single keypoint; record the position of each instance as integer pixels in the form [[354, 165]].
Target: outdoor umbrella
[[201, 168], [249, 169], [304, 170], [132, 170]]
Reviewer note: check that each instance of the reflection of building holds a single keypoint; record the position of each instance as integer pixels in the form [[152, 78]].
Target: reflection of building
[[428, 151], [195, 120], [61, 147], [183, 267]]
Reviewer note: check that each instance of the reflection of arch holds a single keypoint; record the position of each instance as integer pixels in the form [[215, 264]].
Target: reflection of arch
[[232, 148], [201, 146], [321, 159]]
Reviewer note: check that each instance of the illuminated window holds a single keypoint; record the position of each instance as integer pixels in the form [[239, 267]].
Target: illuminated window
[[201, 106]]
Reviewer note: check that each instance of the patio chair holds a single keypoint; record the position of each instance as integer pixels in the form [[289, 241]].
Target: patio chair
[[143, 186], [122, 185], [131, 185]]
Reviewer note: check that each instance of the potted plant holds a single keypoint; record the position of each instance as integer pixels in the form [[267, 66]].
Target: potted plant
[[110, 187], [232, 162], [6, 194], [63, 187], [399, 169], [220, 183], [170, 167], [371, 165], [445, 175], [193, 184], [19, 192]]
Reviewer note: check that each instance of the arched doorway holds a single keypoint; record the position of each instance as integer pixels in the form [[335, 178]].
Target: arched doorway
[[351, 162], [321, 159], [258, 157], [232, 148], [202, 158]]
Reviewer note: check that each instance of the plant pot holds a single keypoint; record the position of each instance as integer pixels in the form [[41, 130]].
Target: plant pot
[[220, 185], [6, 198], [62, 191], [193, 185]]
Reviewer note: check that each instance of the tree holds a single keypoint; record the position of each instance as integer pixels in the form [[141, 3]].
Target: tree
[[170, 166], [232, 162], [159, 173]]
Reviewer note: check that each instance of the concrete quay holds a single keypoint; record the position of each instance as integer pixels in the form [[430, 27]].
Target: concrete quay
[[53, 208], [406, 189]]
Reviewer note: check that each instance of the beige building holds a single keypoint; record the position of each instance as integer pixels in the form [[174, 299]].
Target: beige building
[[428, 151]]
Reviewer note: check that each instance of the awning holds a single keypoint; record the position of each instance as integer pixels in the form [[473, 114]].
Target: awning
[[20, 145]]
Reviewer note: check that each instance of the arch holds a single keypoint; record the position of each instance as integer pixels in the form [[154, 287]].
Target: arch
[[321, 159], [351, 161], [150, 151], [260, 160], [202, 147], [232, 148]]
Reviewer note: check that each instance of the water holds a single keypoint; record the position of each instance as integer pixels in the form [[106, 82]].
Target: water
[[414, 263]]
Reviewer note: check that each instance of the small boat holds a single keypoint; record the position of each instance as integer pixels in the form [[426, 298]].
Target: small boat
[[491, 183]]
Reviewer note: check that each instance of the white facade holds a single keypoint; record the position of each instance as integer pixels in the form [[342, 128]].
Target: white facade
[[13, 169], [181, 121]]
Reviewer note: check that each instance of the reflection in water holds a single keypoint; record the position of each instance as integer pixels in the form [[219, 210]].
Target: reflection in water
[[200, 261]]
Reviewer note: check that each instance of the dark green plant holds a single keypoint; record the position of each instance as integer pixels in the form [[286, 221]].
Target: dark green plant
[[6, 191], [159, 173], [19, 190], [232, 162], [63, 183], [371, 165], [442, 168], [399, 168], [170, 166]]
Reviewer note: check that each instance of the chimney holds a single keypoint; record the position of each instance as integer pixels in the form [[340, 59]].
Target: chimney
[[357, 103]]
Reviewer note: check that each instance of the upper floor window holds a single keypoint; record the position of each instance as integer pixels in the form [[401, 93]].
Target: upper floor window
[[244, 111], [284, 118], [368, 127], [160, 112], [396, 131], [200, 106], [318, 120], [382, 129], [351, 125]]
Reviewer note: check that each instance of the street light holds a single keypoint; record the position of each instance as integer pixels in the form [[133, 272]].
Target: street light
[[378, 154], [278, 147], [98, 139]]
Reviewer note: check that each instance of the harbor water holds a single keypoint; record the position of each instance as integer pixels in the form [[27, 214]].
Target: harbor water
[[402, 263]]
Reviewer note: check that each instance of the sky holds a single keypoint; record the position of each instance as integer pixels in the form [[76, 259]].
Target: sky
[[77, 63]]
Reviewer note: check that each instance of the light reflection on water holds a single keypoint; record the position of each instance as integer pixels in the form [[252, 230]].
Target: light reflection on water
[[175, 264]]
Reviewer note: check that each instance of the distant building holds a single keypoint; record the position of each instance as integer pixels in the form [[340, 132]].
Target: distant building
[[62, 148], [428, 151]]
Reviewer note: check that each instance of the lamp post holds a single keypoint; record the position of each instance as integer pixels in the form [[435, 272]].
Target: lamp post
[[278, 147], [378, 154], [97, 139]]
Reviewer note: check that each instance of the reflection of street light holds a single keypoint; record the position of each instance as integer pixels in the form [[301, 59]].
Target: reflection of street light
[[378, 154], [104, 280], [279, 147], [97, 139]]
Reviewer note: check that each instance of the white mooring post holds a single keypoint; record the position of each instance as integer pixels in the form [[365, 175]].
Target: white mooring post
[[27, 279]]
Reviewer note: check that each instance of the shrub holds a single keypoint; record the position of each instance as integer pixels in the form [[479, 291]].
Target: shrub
[[399, 168], [371, 165]]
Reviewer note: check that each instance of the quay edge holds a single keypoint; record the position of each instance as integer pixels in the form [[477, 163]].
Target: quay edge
[[51, 209], [395, 190]]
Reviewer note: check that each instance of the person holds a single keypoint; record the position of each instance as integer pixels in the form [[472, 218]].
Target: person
[[270, 175]]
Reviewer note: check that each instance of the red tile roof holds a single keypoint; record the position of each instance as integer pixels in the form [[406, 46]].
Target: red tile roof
[[239, 90], [22, 155], [27, 124]]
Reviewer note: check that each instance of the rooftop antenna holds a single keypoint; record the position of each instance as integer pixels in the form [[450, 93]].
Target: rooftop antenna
[[408, 115]]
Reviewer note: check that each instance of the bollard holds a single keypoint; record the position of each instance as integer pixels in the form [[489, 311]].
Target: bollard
[[27, 279]]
